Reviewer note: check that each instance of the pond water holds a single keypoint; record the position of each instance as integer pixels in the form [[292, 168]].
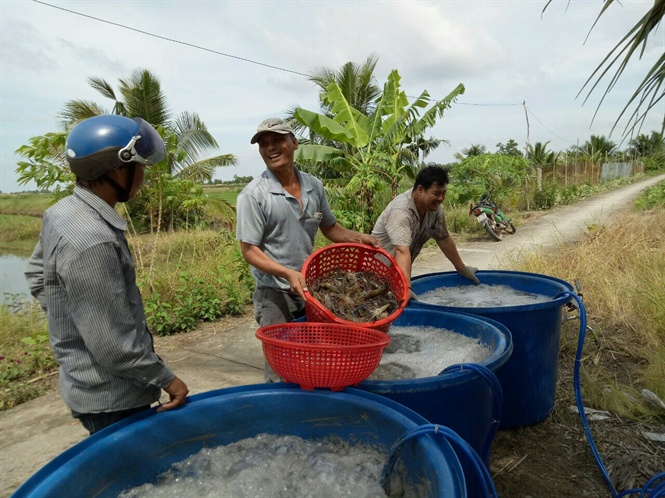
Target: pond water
[[12, 279]]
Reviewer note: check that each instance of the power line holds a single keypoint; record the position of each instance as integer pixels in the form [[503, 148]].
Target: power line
[[488, 105], [199, 47], [171, 39], [270, 66], [541, 124]]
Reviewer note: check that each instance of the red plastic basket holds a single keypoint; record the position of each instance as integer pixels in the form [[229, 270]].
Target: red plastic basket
[[354, 258], [322, 354]]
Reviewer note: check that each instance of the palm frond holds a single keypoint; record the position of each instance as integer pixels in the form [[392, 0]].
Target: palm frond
[[619, 57], [202, 171], [193, 136], [103, 87], [143, 97], [77, 110]]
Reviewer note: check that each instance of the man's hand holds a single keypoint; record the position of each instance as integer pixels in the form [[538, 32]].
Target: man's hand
[[470, 273], [177, 391], [370, 240], [297, 283], [412, 295]]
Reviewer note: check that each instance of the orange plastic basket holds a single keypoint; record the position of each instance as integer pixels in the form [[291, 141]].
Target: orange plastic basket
[[354, 258], [322, 354]]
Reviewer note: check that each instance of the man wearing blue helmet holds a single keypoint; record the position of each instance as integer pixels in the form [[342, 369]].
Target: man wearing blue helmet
[[82, 274]]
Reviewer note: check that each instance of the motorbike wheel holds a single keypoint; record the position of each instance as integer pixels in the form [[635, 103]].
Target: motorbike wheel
[[493, 229], [510, 228]]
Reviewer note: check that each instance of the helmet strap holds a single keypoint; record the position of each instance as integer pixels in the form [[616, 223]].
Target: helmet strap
[[123, 192]]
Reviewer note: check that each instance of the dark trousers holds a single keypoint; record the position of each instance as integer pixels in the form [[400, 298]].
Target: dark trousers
[[97, 421]]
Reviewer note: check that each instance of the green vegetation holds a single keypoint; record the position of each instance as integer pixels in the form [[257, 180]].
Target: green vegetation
[[172, 196], [28, 204], [228, 194], [190, 277], [653, 197], [648, 93], [372, 148], [26, 361], [19, 233]]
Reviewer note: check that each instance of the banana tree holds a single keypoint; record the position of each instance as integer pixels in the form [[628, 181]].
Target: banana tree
[[379, 146]]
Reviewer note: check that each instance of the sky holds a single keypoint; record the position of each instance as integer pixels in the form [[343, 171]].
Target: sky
[[236, 63]]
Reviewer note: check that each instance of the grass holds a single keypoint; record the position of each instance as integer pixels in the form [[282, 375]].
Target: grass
[[227, 194], [189, 277], [19, 233], [621, 270], [32, 204], [26, 362]]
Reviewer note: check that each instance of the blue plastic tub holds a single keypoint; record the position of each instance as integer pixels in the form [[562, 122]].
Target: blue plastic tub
[[528, 378], [460, 400], [136, 450]]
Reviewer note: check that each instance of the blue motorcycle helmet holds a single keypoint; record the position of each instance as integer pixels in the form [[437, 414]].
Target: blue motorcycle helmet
[[99, 144]]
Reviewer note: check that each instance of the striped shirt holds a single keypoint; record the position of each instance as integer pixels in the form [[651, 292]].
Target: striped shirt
[[399, 225], [271, 218], [82, 274]]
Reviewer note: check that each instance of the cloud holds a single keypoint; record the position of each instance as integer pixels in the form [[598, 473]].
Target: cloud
[[505, 52], [25, 48]]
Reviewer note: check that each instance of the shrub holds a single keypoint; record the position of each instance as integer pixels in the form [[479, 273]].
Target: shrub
[[192, 276]]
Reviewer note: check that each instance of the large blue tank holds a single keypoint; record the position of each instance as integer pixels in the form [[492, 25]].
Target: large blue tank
[[136, 450], [462, 400], [528, 378]]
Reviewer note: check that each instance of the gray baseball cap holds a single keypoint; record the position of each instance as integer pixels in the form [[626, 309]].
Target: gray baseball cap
[[274, 125]]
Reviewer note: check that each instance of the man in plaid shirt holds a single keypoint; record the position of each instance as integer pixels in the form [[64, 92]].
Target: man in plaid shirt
[[414, 217]]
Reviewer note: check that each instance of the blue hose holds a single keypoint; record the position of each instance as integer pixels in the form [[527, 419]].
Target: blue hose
[[488, 376], [655, 487], [454, 439]]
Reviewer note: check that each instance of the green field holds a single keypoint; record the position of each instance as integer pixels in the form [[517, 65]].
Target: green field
[[228, 194], [19, 233], [28, 204]]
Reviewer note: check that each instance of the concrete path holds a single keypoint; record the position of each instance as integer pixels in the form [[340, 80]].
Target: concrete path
[[34, 433]]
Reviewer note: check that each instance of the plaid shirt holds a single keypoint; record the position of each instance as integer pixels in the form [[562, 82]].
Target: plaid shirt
[[82, 274], [399, 225]]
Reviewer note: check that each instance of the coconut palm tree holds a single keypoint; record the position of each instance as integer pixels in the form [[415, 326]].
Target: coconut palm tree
[[359, 87], [357, 82], [598, 148], [646, 145], [186, 135], [472, 150], [539, 156]]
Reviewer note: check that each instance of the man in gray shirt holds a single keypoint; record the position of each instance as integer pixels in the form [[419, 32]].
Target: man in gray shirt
[[416, 216], [278, 216], [82, 274]]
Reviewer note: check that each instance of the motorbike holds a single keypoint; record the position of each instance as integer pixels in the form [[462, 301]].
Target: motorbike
[[495, 221]]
